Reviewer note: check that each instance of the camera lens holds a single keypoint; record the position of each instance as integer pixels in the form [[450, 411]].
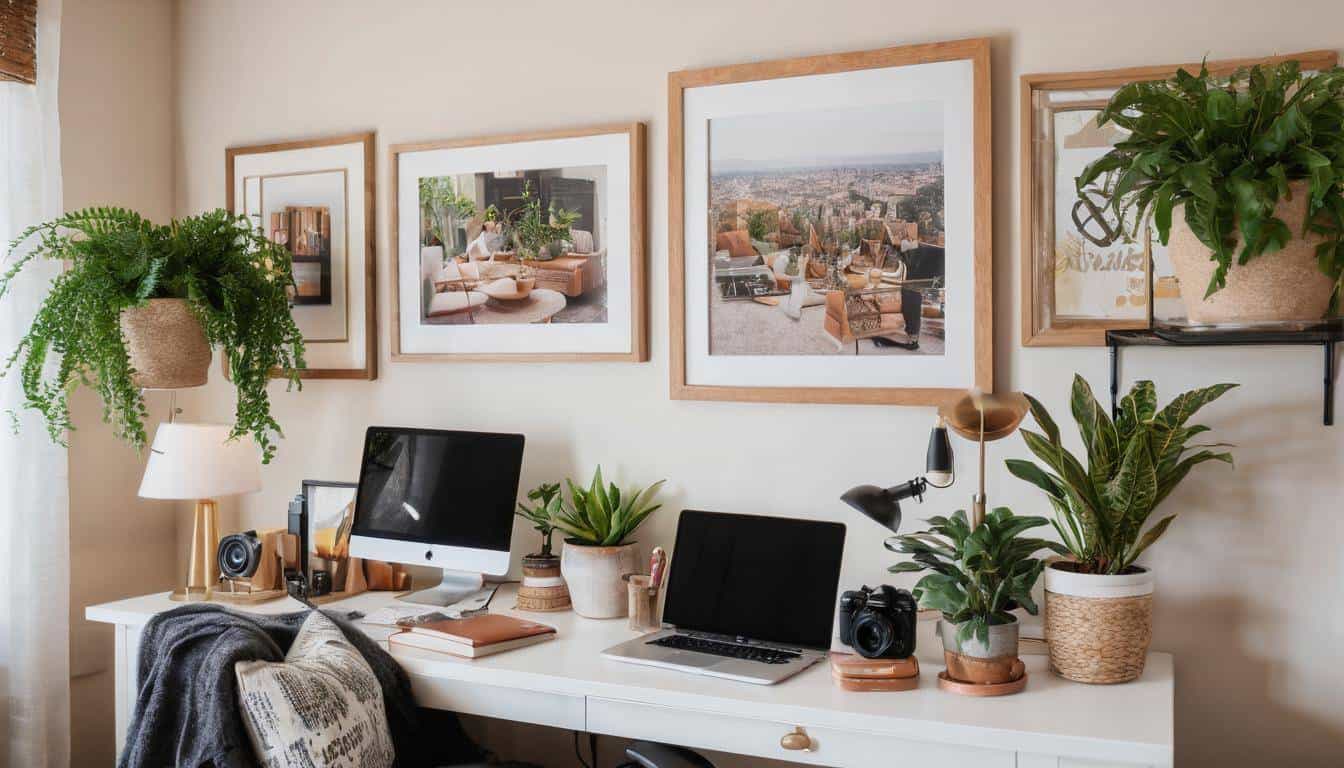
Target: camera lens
[[239, 555], [873, 635]]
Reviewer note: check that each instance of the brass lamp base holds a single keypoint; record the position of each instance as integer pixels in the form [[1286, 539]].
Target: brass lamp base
[[203, 571]]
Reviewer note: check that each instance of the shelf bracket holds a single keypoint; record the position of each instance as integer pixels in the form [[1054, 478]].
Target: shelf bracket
[[1115, 376], [1328, 417]]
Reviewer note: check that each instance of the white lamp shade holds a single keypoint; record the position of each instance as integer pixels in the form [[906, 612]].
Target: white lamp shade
[[197, 461]]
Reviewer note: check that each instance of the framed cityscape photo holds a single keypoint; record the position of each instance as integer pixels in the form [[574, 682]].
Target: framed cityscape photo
[[315, 198], [1082, 275], [829, 227], [523, 247]]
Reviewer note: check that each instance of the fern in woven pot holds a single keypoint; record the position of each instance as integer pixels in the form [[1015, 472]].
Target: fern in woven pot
[[1242, 178], [599, 521], [141, 306], [1099, 602]]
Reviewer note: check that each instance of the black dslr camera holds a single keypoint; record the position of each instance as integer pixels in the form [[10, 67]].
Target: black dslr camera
[[879, 623]]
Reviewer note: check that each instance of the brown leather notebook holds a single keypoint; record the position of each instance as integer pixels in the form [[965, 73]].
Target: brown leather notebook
[[483, 629]]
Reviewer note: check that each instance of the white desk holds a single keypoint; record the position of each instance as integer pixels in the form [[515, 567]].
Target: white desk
[[564, 683]]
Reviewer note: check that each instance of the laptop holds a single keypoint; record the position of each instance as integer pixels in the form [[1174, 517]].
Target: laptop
[[749, 598]]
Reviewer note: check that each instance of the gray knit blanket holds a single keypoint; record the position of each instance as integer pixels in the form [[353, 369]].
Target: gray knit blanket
[[187, 712]]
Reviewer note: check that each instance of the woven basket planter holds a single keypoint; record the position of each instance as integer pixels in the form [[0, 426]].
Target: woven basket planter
[[1098, 627], [166, 345], [1281, 286]]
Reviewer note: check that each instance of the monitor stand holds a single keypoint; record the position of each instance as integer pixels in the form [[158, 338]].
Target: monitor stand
[[455, 587]]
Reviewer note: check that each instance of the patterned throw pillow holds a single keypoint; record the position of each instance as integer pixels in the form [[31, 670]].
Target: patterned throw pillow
[[322, 706]]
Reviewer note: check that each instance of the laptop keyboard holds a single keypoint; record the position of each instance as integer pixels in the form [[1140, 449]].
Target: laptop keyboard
[[731, 650]]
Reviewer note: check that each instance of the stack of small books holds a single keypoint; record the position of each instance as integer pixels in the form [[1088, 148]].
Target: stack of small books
[[855, 673], [473, 636]]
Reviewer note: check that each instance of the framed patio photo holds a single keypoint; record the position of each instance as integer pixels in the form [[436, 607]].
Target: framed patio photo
[[829, 227], [1082, 276], [521, 247], [315, 197]]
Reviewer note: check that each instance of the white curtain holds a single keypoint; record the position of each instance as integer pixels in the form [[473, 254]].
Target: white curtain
[[34, 504]]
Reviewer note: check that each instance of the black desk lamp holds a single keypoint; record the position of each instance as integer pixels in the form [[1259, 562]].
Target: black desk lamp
[[883, 505]]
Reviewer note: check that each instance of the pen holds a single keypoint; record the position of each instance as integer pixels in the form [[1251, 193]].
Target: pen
[[657, 564]]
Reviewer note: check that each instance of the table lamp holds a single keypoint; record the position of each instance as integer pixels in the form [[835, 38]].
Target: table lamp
[[984, 417], [199, 462]]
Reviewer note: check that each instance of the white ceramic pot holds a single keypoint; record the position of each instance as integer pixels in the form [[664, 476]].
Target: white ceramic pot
[[983, 663], [1098, 626], [594, 577], [1282, 286]]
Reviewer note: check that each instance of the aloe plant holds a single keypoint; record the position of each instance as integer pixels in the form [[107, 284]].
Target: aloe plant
[[601, 515], [1133, 464], [542, 513], [978, 575]]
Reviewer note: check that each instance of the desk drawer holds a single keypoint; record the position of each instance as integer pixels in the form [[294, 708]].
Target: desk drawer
[[473, 698], [761, 738]]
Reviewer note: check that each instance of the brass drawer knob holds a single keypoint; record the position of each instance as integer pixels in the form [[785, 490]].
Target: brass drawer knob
[[797, 739]]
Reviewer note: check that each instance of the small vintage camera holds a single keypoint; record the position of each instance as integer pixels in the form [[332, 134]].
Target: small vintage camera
[[253, 562], [879, 623]]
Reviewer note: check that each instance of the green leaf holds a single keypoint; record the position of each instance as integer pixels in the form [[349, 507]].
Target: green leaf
[[905, 567], [1185, 405], [1149, 536]]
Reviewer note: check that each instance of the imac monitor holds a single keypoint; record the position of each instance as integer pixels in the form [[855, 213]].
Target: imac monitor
[[438, 498]]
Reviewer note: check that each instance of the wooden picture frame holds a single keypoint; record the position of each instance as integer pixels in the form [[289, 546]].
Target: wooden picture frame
[[635, 327], [977, 234], [1039, 326], [291, 159]]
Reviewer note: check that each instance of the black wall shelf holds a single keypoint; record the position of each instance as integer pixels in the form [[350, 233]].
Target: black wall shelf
[[1324, 335]]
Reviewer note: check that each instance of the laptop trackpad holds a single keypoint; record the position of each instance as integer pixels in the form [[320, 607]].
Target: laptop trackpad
[[693, 659]]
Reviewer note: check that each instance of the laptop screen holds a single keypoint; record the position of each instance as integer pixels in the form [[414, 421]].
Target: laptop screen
[[766, 578]]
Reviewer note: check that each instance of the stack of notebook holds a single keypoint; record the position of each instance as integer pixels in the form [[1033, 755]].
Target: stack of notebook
[[472, 637]]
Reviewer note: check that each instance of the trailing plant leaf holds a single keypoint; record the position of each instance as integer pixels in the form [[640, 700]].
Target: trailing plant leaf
[[234, 280], [1226, 150], [1154, 456]]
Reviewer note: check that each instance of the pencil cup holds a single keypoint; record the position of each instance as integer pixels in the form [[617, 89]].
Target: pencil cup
[[643, 603]]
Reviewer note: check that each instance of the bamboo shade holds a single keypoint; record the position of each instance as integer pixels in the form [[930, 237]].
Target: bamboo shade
[[18, 40]]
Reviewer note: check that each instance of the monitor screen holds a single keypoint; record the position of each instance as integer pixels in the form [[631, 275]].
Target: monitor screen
[[765, 578], [438, 487]]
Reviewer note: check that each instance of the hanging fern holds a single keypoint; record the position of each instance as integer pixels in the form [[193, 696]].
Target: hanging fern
[[234, 280]]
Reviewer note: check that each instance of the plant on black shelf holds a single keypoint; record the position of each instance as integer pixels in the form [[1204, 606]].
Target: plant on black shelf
[[233, 279], [1133, 464], [546, 506], [1227, 149], [977, 576], [601, 515]]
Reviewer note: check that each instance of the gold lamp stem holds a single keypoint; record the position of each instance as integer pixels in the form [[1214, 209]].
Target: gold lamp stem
[[978, 503], [203, 572]]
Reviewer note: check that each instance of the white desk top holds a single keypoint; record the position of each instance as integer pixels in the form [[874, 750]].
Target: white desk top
[[1131, 722]]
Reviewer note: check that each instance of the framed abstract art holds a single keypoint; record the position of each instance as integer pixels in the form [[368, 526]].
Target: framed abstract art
[[829, 227], [1081, 275], [524, 247], [315, 197]]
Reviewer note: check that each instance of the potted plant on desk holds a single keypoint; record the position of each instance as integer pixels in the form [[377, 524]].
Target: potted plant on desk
[[978, 576], [542, 589], [1242, 178], [141, 306], [1099, 604], [597, 554]]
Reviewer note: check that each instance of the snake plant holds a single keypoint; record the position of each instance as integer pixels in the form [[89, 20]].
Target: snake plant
[[1133, 463], [601, 515]]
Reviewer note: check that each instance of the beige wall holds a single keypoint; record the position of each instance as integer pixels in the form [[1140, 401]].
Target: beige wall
[[1250, 575], [116, 146]]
